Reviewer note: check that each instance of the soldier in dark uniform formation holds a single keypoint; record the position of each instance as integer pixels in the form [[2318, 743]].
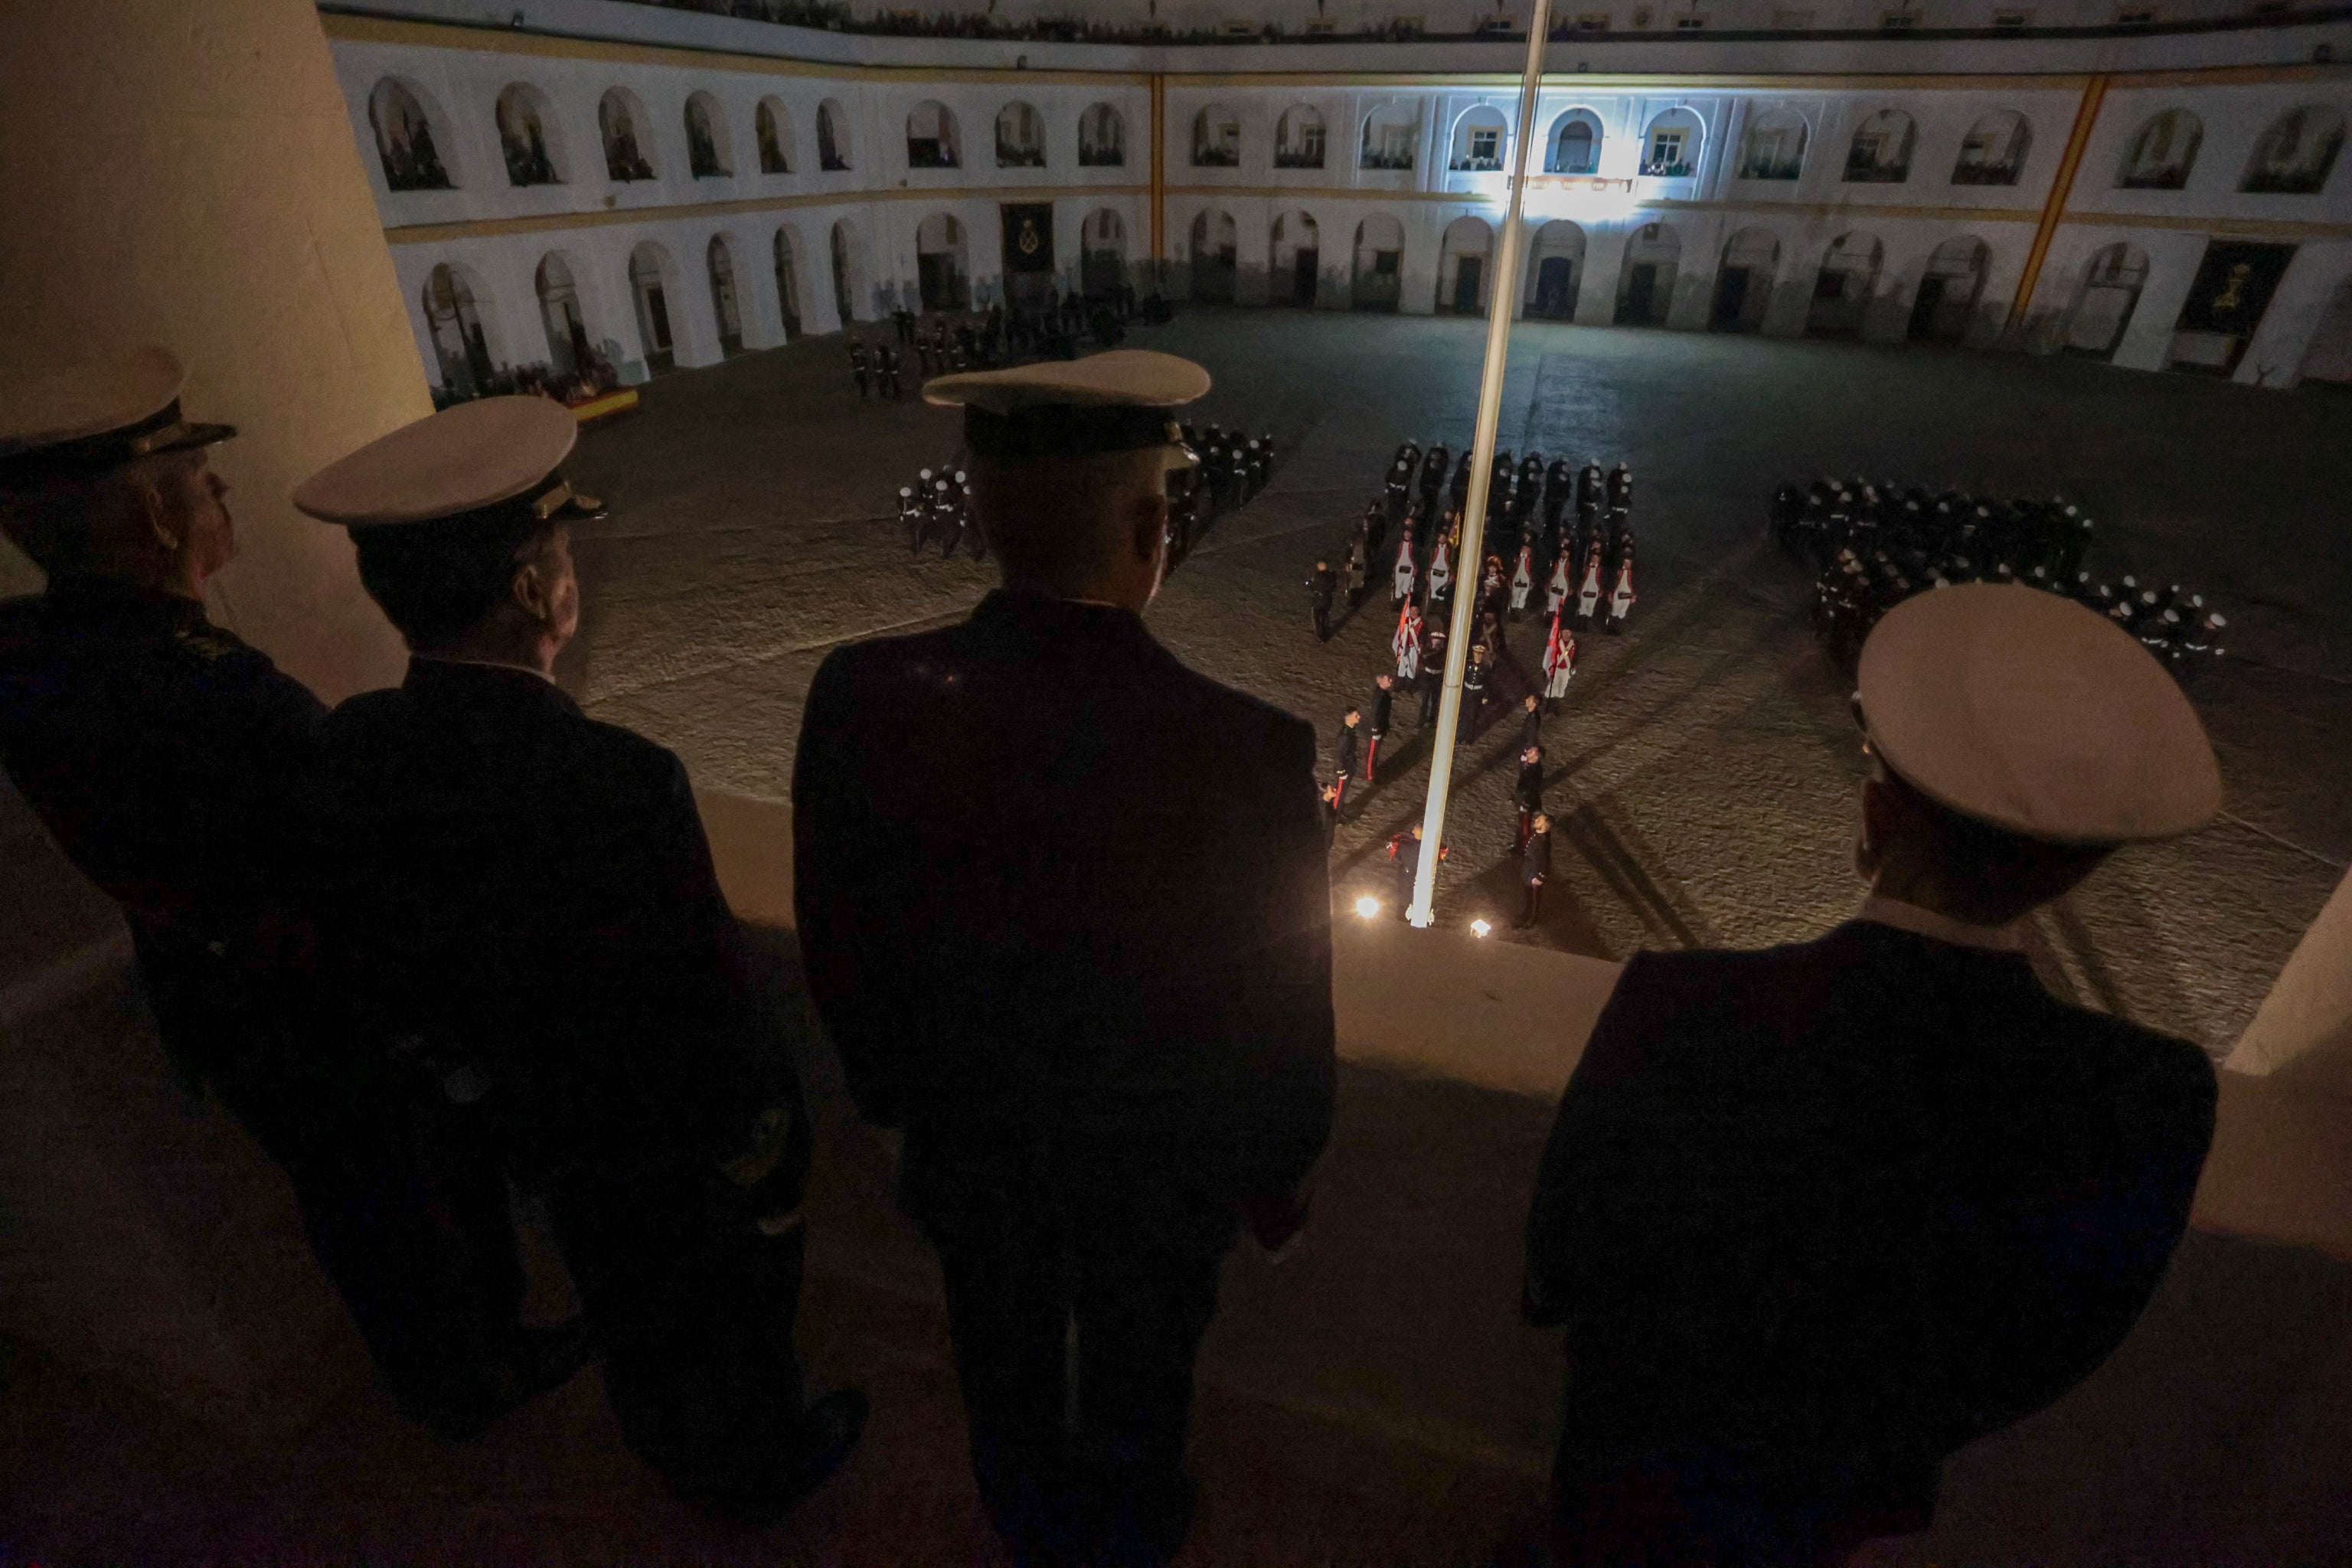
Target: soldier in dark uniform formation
[[1816, 1216], [1384, 710], [523, 898], [1535, 870], [1322, 586], [1343, 762], [1065, 914], [857, 369], [165, 755]]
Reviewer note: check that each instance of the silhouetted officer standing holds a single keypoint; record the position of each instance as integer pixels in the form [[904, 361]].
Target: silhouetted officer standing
[[1065, 914]]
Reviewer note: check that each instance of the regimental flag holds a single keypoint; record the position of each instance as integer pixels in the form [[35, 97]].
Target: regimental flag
[[1406, 644], [1028, 236]]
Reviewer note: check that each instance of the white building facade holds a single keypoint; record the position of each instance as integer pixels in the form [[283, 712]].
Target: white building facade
[[669, 187]]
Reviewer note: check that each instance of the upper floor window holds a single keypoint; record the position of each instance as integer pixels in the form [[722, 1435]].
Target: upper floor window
[[706, 154], [1774, 148], [932, 137], [2297, 154], [772, 127], [1298, 139], [1102, 138], [831, 138], [618, 120], [1669, 147], [1575, 143], [1216, 138], [403, 140], [2163, 153], [1881, 153], [1391, 134], [1478, 140], [1993, 151], [1020, 137], [522, 115]]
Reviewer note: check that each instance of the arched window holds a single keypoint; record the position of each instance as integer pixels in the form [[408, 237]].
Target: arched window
[[2163, 153], [1102, 254], [1216, 138], [1881, 152], [453, 318], [1217, 242], [522, 116], [1669, 147], [931, 139], [848, 272], [788, 280], [1378, 266], [1845, 285], [1774, 147], [618, 118], [1102, 138], [404, 139], [1743, 284], [1299, 137], [653, 280], [1993, 151], [772, 124], [1295, 258], [1391, 132], [569, 352], [1574, 147], [832, 139], [1481, 138], [1555, 270], [942, 270], [1645, 283], [725, 306], [708, 156], [1462, 265], [2297, 154], [1020, 137]]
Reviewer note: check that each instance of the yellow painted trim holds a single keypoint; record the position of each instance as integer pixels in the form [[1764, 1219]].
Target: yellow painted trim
[[1298, 196], [1611, 81], [605, 217], [343, 28], [2054, 211], [2233, 227]]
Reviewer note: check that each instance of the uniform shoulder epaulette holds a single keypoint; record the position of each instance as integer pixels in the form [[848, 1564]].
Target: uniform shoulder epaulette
[[209, 642]]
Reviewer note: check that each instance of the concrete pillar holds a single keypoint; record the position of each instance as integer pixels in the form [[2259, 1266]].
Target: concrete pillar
[[186, 176]]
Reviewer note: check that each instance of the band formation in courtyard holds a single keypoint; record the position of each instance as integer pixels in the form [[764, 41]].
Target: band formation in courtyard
[[1809, 1219]]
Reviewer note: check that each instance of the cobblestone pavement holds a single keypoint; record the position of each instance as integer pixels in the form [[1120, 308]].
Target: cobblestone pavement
[[1703, 770]]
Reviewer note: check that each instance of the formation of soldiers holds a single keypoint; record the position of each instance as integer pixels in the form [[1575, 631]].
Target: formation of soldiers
[[1872, 546], [1233, 467], [934, 345], [936, 510]]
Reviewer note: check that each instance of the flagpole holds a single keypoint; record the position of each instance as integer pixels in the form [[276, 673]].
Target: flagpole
[[1421, 911]]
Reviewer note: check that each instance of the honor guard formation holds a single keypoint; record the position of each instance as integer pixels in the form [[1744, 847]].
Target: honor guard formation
[[932, 345], [1810, 1220], [1873, 546]]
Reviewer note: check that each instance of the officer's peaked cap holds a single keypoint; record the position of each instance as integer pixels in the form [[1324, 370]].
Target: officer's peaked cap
[[1114, 402], [2029, 712], [496, 458], [73, 421]]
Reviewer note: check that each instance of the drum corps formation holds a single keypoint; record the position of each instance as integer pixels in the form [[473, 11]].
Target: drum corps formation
[[1874, 545], [927, 346], [1560, 545]]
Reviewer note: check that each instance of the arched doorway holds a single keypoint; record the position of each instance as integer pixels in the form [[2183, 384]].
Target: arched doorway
[[1947, 300], [940, 264], [1645, 284], [1461, 267], [1743, 284], [1378, 265], [848, 282], [568, 352], [453, 314], [649, 287], [1215, 246], [1296, 260], [788, 282], [2109, 295], [1554, 271], [1102, 255], [725, 309], [2328, 356], [1842, 289]]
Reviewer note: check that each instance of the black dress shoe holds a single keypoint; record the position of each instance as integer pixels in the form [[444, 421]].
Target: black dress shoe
[[829, 1430]]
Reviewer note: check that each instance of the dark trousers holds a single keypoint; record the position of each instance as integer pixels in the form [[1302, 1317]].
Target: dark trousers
[[1371, 754], [1040, 1256], [1322, 616], [1531, 906], [692, 1305]]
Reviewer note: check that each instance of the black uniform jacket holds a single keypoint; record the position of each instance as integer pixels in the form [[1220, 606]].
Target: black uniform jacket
[[163, 753], [1055, 889], [521, 888], [1864, 1198]]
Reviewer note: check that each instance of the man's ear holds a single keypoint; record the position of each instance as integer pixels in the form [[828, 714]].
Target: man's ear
[[530, 590], [1150, 524], [166, 524]]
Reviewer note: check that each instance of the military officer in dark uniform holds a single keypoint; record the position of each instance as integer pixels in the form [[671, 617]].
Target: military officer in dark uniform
[[1322, 588], [1065, 914], [1814, 1217], [523, 897], [1383, 709], [164, 754]]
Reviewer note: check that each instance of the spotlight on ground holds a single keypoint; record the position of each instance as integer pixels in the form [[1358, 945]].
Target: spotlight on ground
[[1479, 927], [1368, 906]]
